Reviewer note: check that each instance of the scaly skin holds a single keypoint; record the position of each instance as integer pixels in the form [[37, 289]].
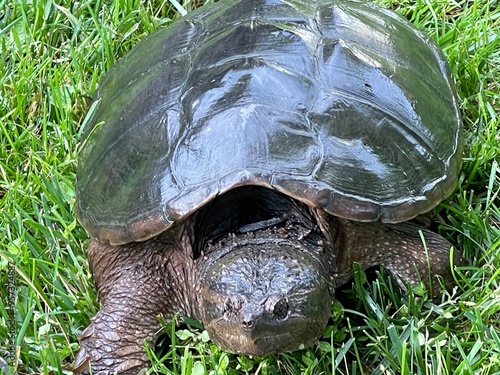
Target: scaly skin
[[139, 281], [398, 248], [135, 283]]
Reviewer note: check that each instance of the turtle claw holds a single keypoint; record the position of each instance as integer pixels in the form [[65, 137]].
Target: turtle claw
[[82, 361]]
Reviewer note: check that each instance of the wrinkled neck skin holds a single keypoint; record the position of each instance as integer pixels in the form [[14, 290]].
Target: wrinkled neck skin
[[263, 283]]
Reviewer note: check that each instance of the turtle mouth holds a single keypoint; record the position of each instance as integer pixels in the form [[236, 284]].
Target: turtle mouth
[[262, 345], [294, 334], [258, 340]]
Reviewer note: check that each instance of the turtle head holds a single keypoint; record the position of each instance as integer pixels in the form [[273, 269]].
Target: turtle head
[[261, 297]]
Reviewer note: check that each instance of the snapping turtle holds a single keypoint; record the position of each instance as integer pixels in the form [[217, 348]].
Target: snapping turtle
[[240, 161]]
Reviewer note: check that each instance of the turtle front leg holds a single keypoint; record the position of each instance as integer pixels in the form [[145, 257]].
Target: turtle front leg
[[411, 253], [135, 283]]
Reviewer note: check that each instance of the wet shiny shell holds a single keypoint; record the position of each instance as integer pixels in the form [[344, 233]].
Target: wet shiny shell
[[339, 104]]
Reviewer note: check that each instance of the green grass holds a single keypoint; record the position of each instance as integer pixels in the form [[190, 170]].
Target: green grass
[[53, 56]]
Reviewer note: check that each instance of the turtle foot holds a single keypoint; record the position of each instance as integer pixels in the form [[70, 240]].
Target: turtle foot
[[112, 345]]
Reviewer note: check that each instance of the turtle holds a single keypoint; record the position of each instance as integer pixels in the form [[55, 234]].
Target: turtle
[[238, 163]]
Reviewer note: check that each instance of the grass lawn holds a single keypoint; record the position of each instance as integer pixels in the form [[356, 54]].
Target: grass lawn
[[53, 56]]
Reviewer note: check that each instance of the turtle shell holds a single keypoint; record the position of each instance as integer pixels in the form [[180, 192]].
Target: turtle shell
[[340, 104]]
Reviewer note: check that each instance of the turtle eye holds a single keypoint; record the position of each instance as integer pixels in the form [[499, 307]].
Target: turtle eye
[[280, 309], [232, 304], [278, 306]]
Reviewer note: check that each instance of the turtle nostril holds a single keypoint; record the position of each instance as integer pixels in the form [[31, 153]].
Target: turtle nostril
[[247, 323]]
